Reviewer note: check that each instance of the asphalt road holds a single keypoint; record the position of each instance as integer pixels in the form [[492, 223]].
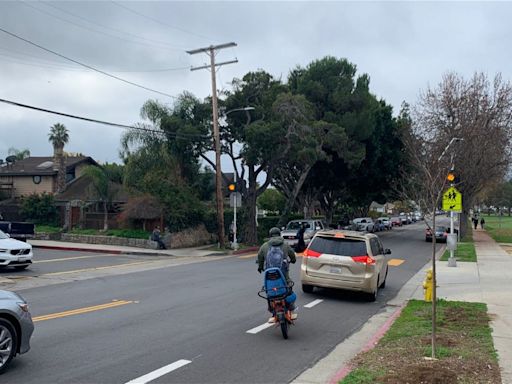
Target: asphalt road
[[193, 319]]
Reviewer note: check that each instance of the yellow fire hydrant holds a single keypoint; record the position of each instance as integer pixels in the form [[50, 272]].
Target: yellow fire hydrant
[[428, 285]]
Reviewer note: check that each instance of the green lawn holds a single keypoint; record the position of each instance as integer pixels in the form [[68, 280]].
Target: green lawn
[[499, 228], [464, 252], [464, 348]]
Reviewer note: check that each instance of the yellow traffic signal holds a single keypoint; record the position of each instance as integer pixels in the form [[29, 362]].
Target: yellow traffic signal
[[450, 177], [232, 187]]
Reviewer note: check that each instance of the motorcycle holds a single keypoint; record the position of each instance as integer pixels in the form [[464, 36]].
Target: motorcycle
[[279, 295]]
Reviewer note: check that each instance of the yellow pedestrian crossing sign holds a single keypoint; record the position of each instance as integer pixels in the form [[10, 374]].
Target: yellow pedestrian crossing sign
[[452, 200]]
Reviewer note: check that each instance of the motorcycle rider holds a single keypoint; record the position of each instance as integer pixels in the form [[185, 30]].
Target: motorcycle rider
[[277, 241]]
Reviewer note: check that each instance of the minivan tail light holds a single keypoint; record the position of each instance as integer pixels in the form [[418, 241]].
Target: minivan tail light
[[365, 259], [310, 253]]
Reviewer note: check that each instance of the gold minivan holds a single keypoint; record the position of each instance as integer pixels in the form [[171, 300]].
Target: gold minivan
[[348, 260]]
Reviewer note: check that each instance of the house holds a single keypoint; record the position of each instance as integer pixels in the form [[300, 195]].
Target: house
[[38, 174]]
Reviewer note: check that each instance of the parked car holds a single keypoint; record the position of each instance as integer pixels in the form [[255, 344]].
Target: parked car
[[441, 234], [289, 233], [379, 225], [364, 224], [396, 221], [18, 230], [14, 253], [345, 260], [16, 327], [403, 219], [386, 221]]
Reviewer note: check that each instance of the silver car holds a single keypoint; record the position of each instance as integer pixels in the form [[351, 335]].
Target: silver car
[[348, 260], [289, 233], [16, 327]]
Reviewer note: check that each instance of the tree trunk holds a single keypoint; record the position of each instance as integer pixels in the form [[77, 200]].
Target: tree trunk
[[105, 216], [283, 220], [251, 231]]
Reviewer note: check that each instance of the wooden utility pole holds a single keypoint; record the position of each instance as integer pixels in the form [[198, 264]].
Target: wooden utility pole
[[211, 51]]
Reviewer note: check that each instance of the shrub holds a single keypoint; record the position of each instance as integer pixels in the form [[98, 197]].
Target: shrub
[[39, 208]]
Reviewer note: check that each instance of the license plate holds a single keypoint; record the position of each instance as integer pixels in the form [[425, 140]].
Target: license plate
[[335, 270]]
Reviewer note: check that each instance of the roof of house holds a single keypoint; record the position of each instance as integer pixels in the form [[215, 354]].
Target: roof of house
[[42, 165], [81, 189]]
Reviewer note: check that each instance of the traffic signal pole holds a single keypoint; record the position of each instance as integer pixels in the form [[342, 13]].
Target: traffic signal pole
[[235, 244]]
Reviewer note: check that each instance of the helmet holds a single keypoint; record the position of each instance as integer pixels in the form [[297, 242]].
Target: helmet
[[274, 231]]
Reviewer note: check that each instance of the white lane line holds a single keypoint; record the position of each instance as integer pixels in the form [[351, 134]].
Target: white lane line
[[313, 303], [159, 372], [260, 328]]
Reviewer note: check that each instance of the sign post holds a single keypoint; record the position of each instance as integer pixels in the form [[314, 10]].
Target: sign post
[[452, 201]]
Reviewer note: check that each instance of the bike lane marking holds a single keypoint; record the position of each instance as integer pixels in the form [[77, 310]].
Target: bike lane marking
[[260, 328], [73, 258], [395, 262], [313, 303], [159, 372]]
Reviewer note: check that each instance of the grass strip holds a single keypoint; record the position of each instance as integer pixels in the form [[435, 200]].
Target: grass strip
[[464, 348], [464, 252]]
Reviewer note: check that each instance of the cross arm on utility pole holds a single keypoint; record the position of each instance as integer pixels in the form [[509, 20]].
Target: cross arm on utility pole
[[206, 66], [211, 48]]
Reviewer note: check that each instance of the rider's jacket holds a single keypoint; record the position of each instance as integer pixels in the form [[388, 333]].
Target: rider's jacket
[[277, 242]]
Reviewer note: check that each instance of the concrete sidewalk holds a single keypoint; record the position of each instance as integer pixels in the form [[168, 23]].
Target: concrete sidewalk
[[178, 252], [487, 281]]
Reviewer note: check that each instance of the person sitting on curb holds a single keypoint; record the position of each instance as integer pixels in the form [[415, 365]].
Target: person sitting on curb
[[155, 236]]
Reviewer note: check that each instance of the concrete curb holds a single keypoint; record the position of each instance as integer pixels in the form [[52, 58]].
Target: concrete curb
[[381, 331], [246, 250]]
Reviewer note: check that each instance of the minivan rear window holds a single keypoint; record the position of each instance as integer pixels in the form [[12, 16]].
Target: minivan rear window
[[338, 246]]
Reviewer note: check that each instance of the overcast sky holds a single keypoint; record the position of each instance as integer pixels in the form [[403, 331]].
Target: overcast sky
[[403, 46]]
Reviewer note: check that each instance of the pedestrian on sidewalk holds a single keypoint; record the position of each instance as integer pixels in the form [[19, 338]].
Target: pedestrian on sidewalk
[[155, 236], [475, 221], [482, 222]]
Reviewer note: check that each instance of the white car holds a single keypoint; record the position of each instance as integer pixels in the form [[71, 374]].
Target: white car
[[14, 253], [386, 221], [364, 224]]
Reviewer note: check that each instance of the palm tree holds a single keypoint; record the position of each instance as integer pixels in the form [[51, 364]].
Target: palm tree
[[19, 153], [59, 137], [101, 182]]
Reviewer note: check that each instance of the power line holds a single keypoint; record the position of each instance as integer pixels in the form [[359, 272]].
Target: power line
[[112, 29], [158, 21], [90, 29], [61, 65], [173, 134], [86, 66]]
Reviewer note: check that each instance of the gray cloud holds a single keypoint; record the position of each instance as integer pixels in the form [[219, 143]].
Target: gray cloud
[[404, 47]]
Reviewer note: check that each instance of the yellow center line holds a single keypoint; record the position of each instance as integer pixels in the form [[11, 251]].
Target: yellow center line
[[98, 268], [395, 262], [248, 256], [81, 310], [71, 258]]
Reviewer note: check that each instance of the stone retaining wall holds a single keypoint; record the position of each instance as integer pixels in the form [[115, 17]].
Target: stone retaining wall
[[192, 237]]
